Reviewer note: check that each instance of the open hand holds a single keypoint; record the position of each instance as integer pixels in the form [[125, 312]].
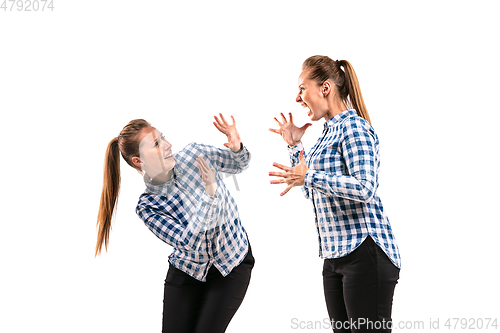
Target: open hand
[[207, 176], [233, 137], [292, 176], [288, 131]]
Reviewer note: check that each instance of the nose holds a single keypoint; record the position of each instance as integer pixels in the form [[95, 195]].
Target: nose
[[298, 99], [165, 145]]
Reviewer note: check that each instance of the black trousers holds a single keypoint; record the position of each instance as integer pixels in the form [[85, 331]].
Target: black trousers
[[192, 306], [359, 289]]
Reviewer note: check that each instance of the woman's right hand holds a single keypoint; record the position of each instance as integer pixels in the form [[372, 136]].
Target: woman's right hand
[[207, 176], [289, 132]]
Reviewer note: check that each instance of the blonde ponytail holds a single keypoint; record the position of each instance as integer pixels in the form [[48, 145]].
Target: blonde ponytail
[[354, 91], [109, 194]]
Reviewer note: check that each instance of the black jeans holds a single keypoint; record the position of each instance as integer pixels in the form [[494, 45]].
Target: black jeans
[[192, 306], [359, 289]]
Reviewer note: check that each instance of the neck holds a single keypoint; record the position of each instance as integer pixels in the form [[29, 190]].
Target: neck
[[163, 178], [335, 106]]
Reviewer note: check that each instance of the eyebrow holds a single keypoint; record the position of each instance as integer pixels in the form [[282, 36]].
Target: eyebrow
[[155, 140]]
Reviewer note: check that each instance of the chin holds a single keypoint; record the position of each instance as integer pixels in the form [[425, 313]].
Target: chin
[[171, 165]]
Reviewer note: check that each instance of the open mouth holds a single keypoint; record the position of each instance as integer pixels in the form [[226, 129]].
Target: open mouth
[[309, 112], [169, 156]]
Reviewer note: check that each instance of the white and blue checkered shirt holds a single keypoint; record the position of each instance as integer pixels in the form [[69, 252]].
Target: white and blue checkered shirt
[[203, 230], [342, 182]]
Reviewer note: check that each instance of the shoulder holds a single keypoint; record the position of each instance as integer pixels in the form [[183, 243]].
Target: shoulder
[[194, 148], [355, 126], [148, 199], [151, 203], [187, 154]]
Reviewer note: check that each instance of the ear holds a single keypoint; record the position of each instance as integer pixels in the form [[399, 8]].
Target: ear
[[326, 88], [137, 161]]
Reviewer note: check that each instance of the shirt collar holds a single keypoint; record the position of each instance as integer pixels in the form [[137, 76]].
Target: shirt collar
[[161, 188], [344, 114]]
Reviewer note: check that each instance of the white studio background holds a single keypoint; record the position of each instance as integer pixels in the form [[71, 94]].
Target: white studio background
[[71, 78]]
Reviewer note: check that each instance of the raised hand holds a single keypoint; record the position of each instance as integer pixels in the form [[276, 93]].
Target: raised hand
[[293, 176], [233, 137], [207, 176], [288, 131]]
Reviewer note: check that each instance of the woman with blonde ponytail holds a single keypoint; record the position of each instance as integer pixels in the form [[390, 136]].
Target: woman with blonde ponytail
[[340, 176], [187, 205]]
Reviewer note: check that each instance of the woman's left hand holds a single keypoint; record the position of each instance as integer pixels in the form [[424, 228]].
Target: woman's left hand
[[233, 137], [293, 176], [207, 176]]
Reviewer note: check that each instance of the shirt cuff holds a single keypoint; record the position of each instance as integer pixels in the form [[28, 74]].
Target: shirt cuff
[[309, 178], [239, 150], [296, 149], [209, 208], [316, 179]]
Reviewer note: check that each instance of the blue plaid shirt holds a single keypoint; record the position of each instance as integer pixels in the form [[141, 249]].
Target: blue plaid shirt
[[203, 230], [342, 183]]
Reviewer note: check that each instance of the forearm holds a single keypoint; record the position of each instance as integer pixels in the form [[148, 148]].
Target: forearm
[[347, 187], [240, 159], [227, 160], [204, 218], [294, 152], [182, 232]]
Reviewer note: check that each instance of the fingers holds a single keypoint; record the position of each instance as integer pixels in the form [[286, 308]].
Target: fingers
[[278, 121], [286, 190], [218, 121], [284, 119], [275, 131], [219, 127], [291, 117], [223, 119], [222, 125], [201, 169], [205, 163], [290, 180], [288, 177], [202, 165], [282, 167], [305, 126], [301, 156], [279, 174]]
